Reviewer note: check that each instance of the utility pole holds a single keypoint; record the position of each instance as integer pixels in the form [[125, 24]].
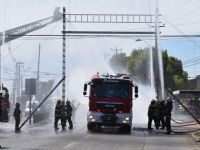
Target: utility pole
[[64, 54], [13, 92], [38, 75], [21, 84], [18, 78], [116, 50], [38, 69]]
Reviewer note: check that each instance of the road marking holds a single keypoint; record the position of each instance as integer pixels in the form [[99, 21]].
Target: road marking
[[70, 145]]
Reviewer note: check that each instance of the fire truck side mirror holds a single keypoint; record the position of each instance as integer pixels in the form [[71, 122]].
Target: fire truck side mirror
[[136, 95], [84, 93], [136, 89], [85, 89]]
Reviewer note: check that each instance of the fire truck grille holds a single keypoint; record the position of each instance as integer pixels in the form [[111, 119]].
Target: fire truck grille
[[108, 118], [106, 106]]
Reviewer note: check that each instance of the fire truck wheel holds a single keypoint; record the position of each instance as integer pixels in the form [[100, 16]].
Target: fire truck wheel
[[98, 127], [90, 126], [126, 129]]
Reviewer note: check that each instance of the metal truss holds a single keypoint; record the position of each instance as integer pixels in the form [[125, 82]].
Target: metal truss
[[110, 18], [107, 32]]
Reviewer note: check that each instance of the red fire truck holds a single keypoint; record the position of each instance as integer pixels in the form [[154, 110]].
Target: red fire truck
[[4, 105], [110, 101]]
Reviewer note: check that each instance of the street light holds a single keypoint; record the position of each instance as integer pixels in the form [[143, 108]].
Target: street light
[[151, 66]]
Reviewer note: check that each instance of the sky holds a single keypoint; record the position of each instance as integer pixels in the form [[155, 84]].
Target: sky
[[86, 56]]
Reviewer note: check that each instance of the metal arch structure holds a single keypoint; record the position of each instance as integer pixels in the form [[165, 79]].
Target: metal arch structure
[[101, 18], [110, 18]]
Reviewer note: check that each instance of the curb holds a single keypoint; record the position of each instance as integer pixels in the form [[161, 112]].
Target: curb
[[196, 138]]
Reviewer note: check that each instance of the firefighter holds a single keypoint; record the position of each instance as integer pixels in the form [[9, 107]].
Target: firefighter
[[161, 107], [57, 114], [0, 111], [69, 114], [63, 115], [17, 115], [151, 113], [156, 115], [168, 109]]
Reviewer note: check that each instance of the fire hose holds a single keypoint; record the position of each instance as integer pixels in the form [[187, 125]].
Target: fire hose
[[182, 122], [188, 111], [185, 131]]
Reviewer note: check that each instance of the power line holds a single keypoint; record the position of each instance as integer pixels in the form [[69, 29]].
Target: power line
[[181, 9], [185, 66], [189, 39], [112, 33]]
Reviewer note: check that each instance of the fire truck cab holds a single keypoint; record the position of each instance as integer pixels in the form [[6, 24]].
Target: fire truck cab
[[110, 101]]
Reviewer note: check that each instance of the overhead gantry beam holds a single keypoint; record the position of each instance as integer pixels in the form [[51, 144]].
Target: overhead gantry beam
[[107, 32], [110, 18]]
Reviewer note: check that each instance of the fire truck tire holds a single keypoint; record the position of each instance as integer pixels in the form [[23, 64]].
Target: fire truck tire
[[90, 127], [126, 129]]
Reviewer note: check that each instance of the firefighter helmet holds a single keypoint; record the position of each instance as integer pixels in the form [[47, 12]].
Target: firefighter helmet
[[17, 104]]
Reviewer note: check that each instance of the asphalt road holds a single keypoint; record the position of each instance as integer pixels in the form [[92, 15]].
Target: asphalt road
[[44, 137]]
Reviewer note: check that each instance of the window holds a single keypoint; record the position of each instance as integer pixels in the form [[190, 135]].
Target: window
[[110, 90]]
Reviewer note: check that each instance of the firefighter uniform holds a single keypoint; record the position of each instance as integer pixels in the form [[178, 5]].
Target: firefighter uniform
[[161, 107], [156, 115], [151, 113], [69, 114], [16, 114], [63, 115], [57, 114], [168, 109]]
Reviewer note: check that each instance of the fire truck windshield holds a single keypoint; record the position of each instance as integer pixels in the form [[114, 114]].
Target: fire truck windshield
[[110, 89]]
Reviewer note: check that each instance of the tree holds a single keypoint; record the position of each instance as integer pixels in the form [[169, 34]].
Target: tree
[[137, 64], [174, 75]]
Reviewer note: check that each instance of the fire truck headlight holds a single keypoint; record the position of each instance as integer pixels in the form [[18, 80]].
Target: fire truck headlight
[[90, 117], [93, 120], [127, 118]]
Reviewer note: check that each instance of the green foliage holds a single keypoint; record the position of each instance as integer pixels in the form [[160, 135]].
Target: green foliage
[[137, 64], [174, 75]]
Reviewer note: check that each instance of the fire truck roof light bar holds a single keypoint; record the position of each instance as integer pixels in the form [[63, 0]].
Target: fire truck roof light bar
[[124, 76]]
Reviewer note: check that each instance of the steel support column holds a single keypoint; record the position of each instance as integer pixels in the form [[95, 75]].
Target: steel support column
[[63, 56]]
